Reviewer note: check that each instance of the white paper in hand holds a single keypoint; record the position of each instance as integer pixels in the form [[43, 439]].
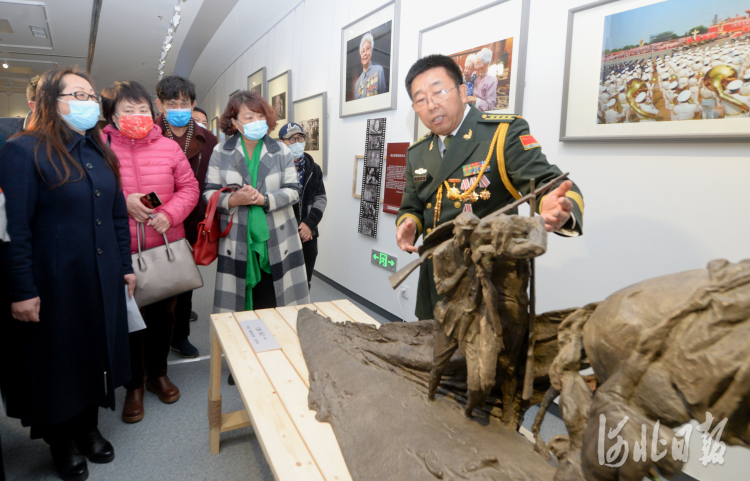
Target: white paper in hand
[[135, 320]]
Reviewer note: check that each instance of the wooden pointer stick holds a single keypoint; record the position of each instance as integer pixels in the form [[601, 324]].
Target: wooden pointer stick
[[445, 231]]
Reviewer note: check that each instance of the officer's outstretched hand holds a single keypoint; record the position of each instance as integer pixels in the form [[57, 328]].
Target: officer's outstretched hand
[[556, 208], [405, 235]]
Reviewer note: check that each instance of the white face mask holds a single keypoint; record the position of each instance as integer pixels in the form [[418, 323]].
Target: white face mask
[[201, 125]]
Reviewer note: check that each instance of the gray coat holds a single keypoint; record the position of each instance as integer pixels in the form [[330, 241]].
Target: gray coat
[[277, 178]]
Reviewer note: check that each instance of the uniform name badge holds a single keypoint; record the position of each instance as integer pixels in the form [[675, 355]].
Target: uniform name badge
[[420, 175]]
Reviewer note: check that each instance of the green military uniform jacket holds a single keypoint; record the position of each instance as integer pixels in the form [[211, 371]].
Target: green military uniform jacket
[[508, 178]]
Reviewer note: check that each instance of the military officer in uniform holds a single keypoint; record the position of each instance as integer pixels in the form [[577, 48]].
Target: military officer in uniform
[[372, 79], [470, 161]]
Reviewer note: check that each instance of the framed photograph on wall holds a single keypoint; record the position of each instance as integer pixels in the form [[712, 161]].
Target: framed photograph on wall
[[493, 60], [279, 95], [636, 71], [312, 114], [256, 82], [369, 62]]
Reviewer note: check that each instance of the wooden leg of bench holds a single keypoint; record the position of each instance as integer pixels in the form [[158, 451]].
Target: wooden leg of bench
[[214, 393]]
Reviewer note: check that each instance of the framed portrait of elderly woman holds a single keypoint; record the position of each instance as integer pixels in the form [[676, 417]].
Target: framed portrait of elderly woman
[[635, 71], [279, 95], [312, 114], [256, 82], [492, 61], [369, 62]]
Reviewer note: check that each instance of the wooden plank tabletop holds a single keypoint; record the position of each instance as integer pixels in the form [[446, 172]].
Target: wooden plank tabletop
[[274, 387]]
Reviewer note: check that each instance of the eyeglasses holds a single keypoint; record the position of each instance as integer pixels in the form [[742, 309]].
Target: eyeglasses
[[84, 96], [176, 104], [297, 139], [437, 98]]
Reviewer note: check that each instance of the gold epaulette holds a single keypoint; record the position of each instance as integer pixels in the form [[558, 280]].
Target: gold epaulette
[[429, 135], [508, 118]]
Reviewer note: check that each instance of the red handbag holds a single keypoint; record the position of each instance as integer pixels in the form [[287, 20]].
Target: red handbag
[[206, 248]]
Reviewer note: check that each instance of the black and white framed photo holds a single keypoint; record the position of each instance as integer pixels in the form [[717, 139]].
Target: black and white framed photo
[[657, 70], [256, 82], [372, 175], [492, 60], [280, 97], [369, 62], [312, 114]]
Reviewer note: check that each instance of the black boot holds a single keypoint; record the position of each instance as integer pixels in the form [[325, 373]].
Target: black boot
[[70, 464], [93, 445]]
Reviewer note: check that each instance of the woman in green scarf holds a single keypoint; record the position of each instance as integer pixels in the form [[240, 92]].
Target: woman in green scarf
[[261, 264]]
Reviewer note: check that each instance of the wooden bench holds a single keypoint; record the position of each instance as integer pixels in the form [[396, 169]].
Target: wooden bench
[[274, 386]]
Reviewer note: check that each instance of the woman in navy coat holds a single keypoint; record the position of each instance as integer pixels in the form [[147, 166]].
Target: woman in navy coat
[[67, 265]]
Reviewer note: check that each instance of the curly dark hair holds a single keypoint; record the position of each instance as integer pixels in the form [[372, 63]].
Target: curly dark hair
[[172, 87], [252, 101], [434, 61]]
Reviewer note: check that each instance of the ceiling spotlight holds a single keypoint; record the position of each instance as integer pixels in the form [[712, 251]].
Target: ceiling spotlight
[[168, 39], [163, 55], [167, 47], [177, 8], [170, 30], [176, 20], [161, 72], [5, 64]]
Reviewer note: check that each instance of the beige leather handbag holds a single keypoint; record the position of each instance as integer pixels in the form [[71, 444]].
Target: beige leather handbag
[[163, 271]]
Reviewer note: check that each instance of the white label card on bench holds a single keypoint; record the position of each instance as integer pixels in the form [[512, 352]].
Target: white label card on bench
[[259, 336]]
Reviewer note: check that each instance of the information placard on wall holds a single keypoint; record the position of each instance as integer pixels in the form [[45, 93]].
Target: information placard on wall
[[395, 177]]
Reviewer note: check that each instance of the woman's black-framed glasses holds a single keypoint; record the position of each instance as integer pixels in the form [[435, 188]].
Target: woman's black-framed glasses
[[437, 98], [84, 96]]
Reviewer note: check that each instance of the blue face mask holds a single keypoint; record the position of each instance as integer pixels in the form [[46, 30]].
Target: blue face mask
[[179, 117], [255, 130], [297, 149], [84, 114]]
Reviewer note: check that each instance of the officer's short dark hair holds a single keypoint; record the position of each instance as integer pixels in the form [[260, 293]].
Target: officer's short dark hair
[[198, 109], [433, 61], [31, 88], [120, 91], [173, 87]]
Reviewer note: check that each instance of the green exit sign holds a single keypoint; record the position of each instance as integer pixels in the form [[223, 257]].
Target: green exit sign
[[384, 260]]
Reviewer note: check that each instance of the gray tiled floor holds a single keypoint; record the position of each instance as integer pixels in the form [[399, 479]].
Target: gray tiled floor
[[171, 443]]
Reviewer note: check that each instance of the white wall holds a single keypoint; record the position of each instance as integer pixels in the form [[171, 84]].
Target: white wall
[[13, 105], [650, 209]]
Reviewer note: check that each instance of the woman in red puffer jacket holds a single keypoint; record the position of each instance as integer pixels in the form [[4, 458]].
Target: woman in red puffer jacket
[[149, 162]]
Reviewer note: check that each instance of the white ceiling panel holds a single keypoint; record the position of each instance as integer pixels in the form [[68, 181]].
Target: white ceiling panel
[[16, 22], [129, 40]]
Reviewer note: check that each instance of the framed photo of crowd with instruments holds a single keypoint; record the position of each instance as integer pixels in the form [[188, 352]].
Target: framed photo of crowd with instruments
[[369, 62], [657, 75], [492, 61]]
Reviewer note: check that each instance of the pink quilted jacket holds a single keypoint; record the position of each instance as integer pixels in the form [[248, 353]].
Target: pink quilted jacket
[[155, 164]]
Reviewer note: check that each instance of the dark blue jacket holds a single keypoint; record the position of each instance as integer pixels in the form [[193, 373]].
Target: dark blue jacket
[[70, 245]]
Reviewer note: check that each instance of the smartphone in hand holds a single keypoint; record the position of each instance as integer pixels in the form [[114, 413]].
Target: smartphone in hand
[[151, 200]]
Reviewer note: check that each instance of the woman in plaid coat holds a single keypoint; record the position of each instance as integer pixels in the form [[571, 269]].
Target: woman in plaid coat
[[260, 262]]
